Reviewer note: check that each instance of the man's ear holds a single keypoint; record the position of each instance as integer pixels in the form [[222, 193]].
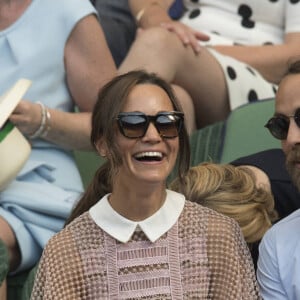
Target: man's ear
[[101, 148]]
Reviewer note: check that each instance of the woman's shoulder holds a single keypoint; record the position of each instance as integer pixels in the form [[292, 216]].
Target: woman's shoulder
[[80, 227], [285, 231], [64, 13], [68, 5], [198, 209], [207, 218], [212, 228]]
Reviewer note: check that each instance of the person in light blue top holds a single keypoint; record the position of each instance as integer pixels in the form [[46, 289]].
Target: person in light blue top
[[278, 269], [59, 46], [278, 265]]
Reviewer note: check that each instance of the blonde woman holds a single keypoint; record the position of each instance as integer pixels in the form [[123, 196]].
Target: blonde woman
[[238, 192]]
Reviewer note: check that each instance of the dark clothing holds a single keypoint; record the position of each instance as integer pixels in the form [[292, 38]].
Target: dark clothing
[[272, 162], [118, 25]]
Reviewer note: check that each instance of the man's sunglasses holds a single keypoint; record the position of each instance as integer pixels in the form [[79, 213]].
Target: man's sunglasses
[[279, 125], [135, 124]]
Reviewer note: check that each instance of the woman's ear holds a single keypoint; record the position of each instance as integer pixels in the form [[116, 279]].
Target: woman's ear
[[101, 148]]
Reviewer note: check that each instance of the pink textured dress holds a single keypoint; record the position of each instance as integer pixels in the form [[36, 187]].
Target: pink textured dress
[[183, 251]]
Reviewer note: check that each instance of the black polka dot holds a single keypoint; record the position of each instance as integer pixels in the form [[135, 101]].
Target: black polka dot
[[251, 71], [294, 1], [194, 13], [252, 96], [215, 32], [231, 73], [248, 23], [246, 12], [274, 89], [268, 43], [273, 0], [195, 1]]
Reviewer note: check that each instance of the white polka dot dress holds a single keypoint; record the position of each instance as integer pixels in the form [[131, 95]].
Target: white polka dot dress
[[248, 22]]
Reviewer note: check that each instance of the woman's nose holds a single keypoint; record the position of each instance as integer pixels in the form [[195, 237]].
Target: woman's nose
[[152, 133]]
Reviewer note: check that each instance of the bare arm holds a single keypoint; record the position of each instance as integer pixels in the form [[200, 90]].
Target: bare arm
[[89, 65], [149, 12], [270, 60]]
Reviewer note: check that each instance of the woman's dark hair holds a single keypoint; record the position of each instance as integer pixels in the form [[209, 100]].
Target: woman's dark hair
[[110, 103]]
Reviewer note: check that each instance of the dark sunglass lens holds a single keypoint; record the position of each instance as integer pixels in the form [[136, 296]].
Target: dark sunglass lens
[[297, 117], [133, 126], [278, 127], [168, 125]]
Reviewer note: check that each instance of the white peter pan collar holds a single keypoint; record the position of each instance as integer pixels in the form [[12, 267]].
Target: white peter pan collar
[[154, 227]]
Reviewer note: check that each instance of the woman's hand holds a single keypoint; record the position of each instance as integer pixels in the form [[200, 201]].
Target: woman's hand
[[186, 34], [27, 117], [149, 13]]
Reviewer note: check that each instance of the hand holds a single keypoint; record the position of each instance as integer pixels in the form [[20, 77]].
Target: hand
[[27, 117], [186, 34]]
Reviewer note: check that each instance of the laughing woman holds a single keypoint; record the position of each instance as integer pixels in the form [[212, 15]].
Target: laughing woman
[[130, 237]]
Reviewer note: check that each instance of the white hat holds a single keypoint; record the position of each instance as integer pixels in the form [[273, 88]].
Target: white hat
[[14, 147]]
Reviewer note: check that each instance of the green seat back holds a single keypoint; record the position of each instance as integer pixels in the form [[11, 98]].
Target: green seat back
[[242, 133], [88, 163], [206, 143], [245, 132]]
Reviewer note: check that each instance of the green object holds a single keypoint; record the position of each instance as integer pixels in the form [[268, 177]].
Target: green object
[[15, 286], [88, 163], [4, 261], [5, 130], [242, 133], [206, 144], [28, 284], [245, 132]]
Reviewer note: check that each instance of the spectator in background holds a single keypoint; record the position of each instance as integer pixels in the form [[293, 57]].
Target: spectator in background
[[119, 25], [237, 192], [222, 53], [60, 47], [279, 251], [271, 164]]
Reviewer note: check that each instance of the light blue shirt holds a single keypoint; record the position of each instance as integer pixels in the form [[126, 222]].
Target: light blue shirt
[[278, 269]]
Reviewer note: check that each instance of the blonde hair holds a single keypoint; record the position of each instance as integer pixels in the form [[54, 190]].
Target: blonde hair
[[232, 191]]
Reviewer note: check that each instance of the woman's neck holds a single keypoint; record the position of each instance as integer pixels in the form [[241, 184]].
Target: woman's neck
[[11, 10], [137, 205]]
